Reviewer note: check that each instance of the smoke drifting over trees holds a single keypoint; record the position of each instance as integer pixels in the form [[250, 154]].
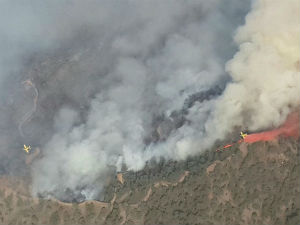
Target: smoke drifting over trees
[[121, 82]]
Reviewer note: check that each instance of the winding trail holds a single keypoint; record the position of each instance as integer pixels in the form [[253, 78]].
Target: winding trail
[[28, 116]]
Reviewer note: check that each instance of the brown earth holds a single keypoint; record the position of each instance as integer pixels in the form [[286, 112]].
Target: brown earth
[[248, 184]]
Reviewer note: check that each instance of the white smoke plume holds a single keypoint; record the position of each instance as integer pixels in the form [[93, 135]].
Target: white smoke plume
[[121, 82], [265, 70]]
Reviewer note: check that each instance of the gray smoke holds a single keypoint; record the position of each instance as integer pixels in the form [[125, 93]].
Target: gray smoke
[[119, 82]]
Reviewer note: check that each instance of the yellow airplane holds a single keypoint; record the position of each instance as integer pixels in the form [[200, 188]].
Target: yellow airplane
[[27, 148], [243, 135]]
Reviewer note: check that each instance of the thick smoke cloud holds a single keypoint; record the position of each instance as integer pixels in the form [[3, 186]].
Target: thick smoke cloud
[[265, 70], [145, 81], [121, 82]]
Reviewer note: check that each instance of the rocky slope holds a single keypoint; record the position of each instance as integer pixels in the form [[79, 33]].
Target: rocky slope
[[248, 184]]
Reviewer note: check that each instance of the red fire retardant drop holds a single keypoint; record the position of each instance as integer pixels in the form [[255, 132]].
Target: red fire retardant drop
[[289, 129]]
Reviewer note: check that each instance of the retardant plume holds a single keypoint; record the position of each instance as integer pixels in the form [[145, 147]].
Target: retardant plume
[[290, 128]]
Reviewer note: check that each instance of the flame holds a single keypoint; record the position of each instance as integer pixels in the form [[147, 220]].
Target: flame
[[225, 146]]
